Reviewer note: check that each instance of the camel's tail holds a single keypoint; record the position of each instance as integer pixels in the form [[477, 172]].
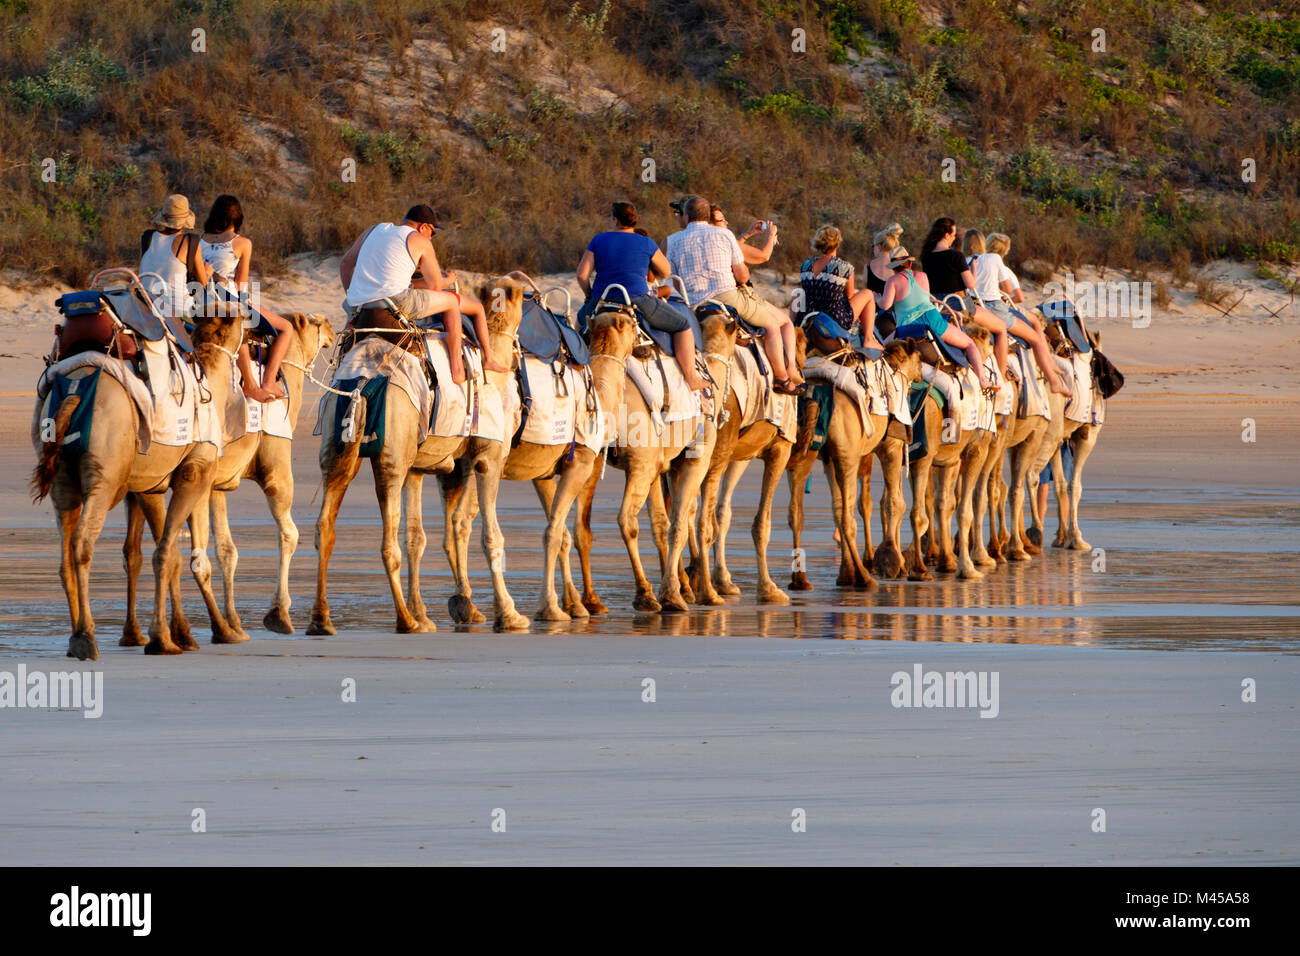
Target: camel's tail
[[804, 436], [47, 465]]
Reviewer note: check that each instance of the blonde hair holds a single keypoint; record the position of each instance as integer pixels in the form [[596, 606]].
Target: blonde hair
[[827, 239], [972, 243], [999, 242], [886, 239]]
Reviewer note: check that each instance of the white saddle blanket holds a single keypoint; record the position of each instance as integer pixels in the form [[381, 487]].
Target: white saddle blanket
[[655, 380], [1033, 392], [173, 415], [270, 418], [1077, 374], [558, 413], [758, 400], [888, 391], [473, 407]]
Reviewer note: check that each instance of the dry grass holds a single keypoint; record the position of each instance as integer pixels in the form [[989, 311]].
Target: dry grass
[[1061, 148]]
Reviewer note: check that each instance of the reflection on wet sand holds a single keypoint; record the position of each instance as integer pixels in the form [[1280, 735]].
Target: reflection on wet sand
[[1155, 590]]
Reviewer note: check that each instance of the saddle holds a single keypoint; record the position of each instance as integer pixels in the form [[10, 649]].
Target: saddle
[[934, 350], [1062, 312], [546, 335], [828, 337]]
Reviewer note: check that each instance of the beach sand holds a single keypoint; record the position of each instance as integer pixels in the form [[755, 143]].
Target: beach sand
[[1120, 688]]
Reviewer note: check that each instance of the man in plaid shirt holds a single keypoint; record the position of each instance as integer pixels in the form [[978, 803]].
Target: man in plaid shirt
[[711, 264]]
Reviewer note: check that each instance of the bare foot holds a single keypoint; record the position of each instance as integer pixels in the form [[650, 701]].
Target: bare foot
[[458, 374], [694, 382], [273, 390], [1058, 387], [257, 393], [492, 365]]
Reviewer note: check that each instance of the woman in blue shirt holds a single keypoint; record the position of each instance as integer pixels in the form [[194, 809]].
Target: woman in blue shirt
[[623, 257]]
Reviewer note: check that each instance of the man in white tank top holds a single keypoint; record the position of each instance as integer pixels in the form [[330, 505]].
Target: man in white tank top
[[380, 265]]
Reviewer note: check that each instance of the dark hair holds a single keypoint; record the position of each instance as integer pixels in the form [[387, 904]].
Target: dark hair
[[698, 210], [942, 226], [641, 232], [624, 214], [225, 213]]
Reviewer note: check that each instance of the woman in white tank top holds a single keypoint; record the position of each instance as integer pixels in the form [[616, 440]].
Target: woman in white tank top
[[164, 250], [227, 256]]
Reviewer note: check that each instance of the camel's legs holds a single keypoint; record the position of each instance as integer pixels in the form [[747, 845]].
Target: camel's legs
[[582, 527], [390, 478], [690, 472], [69, 520], [721, 574], [336, 485], [557, 499], [1084, 442], [706, 576], [413, 492], [945, 505], [969, 473], [227, 555], [488, 475], [775, 457], [89, 522], [139, 509], [864, 509], [799, 473], [278, 489], [459, 504], [889, 557], [223, 632], [842, 472], [190, 485], [921, 476], [640, 476], [659, 521]]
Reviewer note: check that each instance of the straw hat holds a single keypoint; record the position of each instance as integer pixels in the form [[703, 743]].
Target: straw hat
[[174, 214], [898, 258]]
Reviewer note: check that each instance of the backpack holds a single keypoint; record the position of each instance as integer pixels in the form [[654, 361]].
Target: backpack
[[1109, 379]]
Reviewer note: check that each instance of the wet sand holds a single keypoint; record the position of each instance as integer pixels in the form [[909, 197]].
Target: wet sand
[[1120, 688]]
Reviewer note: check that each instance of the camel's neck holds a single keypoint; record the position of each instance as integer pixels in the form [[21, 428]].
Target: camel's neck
[[502, 347], [609, 373]]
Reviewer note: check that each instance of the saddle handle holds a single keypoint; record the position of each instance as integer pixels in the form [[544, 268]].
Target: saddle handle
[[527, 278], [568, 301], [680, 285], [604, 296]]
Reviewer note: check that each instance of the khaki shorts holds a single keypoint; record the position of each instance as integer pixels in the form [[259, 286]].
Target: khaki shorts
[[744, 301], [415, 304]]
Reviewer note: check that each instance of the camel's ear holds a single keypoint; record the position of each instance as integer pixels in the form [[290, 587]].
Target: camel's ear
[[1096, 339], [483, 292], [299, 320]]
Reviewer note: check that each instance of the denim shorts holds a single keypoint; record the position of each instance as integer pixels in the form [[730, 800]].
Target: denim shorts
[[1067, 465]]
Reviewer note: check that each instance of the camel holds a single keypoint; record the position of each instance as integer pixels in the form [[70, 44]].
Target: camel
[[681, 452], [399, 471], [732, 453], [560, 473], [85, 492], [962, 459], [256, 455], [1082, 438], [847, 455], [1008, 540]]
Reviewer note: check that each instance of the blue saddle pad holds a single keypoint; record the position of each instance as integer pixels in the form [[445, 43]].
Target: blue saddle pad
[[828, 327], [123, 303], [545, 335], [665, 339], [1062, 311], [919, 330]]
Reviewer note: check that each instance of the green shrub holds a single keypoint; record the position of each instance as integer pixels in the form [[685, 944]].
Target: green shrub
[[70, 83], [399, 153]]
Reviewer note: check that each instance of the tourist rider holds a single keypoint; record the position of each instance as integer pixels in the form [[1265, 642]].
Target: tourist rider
[[827, 284], [381, 265], [710, 262], [621, 256]]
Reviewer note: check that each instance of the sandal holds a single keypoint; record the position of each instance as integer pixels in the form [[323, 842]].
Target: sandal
[[786, 387]]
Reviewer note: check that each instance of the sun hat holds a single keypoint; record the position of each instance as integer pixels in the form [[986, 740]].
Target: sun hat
[[899, 257], [174, 214]]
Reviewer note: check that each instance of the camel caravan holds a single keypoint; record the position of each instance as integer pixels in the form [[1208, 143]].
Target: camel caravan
[[176, 377]]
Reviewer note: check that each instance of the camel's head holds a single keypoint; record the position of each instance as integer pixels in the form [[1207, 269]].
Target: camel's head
[[983, 340], [719, 332], [224, 331], [314, 334], [1096, 340], [612, 333], [1056, 340], [904, 355], [503, 301], [800, 346]]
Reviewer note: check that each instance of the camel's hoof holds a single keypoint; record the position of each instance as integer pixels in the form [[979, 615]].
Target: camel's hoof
[[1034, 537], [132, 636], [83, 647], [727, 586], [511, 621], [227, 636], [645, 602], [594, 604], [186, 642], [576, 609], [970, 574], [552, 612], [1058, 542], [277, 621], [867, 583], [321, 627], [710, 599], [1017, 555], [688, 594], [672, 604], [922, 575], [157, 646], [462, 610], [773, 595], [889, 564], [416, 625], [987, 562], [1078, 544], [799, 582], [946, 566]]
